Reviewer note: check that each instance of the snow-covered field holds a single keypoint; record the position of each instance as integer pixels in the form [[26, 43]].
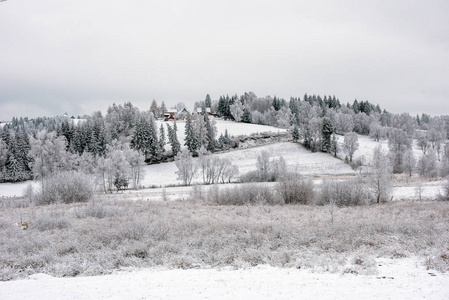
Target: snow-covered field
[[396, 279]]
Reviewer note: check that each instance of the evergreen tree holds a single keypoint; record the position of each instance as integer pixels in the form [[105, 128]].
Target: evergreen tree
[[191, 138], [307, 137], [140, 138], [210, 134], [247, 115], [295, 133], [208, 101], [173, 140], [326, 135], [162, 139]]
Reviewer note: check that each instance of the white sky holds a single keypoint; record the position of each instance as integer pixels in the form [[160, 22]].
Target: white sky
[[79, 56]]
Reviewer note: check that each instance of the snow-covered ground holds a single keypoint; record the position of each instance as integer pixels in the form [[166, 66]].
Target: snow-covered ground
[[396, 279]]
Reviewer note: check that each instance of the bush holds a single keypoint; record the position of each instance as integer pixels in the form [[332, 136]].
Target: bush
[[351, 192], [244, 194], [51, 220], [294, 188], [66, 187]]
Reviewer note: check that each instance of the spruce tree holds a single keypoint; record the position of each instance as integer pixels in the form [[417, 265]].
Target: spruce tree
[[173, 140], [191, 138], [295, 133], [208, 101], [326, 135], [246, 115], [162, 139], [210, 134]]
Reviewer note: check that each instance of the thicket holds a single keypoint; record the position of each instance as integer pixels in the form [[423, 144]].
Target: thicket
[[65, 187]]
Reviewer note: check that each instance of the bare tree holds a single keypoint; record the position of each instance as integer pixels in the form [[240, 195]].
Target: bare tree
[[381, 176], [350, 144], [408, 162], [186, 166]]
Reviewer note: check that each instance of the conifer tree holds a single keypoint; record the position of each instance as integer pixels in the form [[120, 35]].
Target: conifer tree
[[326, 135], [173, 139], [246, 115], [208, 101], [210, 134], [295, 133], [162, 139], [191, 138]]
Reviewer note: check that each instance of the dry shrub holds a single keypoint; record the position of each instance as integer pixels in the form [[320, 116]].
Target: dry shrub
[[246, 194], [51, 220], [350, 192], [296, 189], [66, 187]]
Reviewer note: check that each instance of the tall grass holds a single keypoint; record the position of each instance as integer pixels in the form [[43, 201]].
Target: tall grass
[[191, 234]]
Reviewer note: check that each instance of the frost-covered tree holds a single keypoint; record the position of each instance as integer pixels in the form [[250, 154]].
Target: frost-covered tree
[[48, 153], [334, 148], [208, 101], [173, 140], [120, 167], [191, 138], [345, 123], [376, 131], [445, 161], [200, 130], [295, 133], [326, 132], [284, 117], [263, 165], [247, 115], [211, 132], [136, 162], [237, 110], [422, 141], [381, 177], [154, 109], [350, 144], [145, 140], [408, 162], [398, 142], [186, 166], [163, 109], [162, 139], [427, 164]]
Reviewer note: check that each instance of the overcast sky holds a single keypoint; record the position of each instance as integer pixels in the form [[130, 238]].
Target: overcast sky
[[79, 56]]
